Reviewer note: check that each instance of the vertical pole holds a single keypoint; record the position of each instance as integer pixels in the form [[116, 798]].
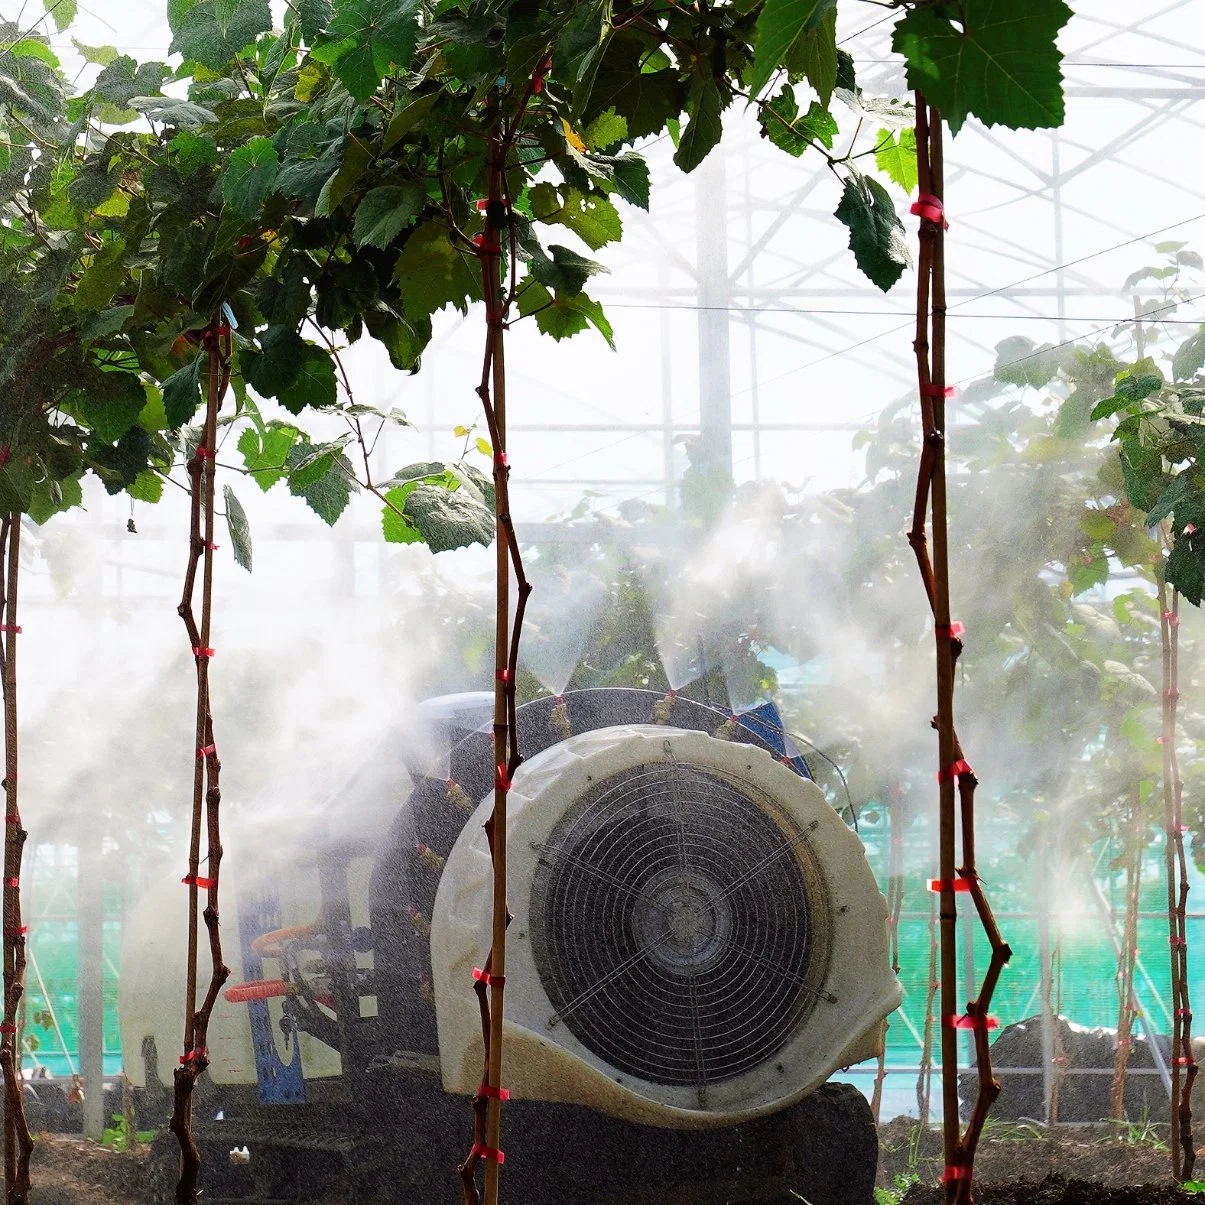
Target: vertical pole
[[91, 971], [715, 388], [1047, 983]]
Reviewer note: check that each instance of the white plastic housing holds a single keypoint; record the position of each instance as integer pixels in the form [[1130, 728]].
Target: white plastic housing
[[545, 1061]]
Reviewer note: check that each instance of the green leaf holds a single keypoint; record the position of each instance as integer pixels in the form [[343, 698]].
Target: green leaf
[[563, 316], [782, 125], [1167, 501], [606, 130], [1001, 64], [895, 157], [404, 341], [592, 217], [147, 487], [379, 33], [192, 152], [182, 393], [110, 405], [704, 131], [62, 12], [1190, 357], [406, 118], [314, 383], [1019, 361], [876, 235], [646, 100], [449, 519], [276, 365], [566, 272], [199, 37], [1133, 387], [1185, 568], [814, 55], [430, 273], [312, 17], [265, 453], [386, 211], [326, 495], [780, 23], [631, 178], [102, 278], [102, 56], [249, 176], [239, 528], [396, 528]]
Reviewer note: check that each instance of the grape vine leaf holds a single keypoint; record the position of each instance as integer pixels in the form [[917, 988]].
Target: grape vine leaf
[[430, 273], [313, 384], [783, 126], [182, 393], [198, 35], [239, 528], [386, 211], [876, 235], [265, 453], [1190, 357], [250, 175], [813, 55], [326, 493], [1000, 63], [780, 23], [895, 157], [449, 519], [366, 37], [704, 131]]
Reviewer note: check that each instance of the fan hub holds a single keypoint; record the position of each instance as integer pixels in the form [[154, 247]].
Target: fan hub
[[685, 920]]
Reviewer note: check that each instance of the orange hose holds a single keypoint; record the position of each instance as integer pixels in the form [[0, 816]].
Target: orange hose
[[268, 944], [256, 989]]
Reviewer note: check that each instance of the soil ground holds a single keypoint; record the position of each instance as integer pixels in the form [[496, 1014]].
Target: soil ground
[[1017, 1165], [1020, 1164]]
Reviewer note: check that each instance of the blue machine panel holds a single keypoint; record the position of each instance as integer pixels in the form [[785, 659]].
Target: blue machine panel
[[765, 721], [280, 1083]]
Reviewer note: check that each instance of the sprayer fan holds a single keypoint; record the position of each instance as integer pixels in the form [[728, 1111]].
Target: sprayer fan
[[679, 924]]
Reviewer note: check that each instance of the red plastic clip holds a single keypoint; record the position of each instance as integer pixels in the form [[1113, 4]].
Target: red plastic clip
[[952, 631], [12, 818], [962, 766], [483, 203], [952, 884], [936, 391], [1124, 1042], [213, 547], [480, 976], [537, 76], [493, 1093], [14, 883], [1183, 1012], [1171, 618], [206, 750], [1184, 1060], [20, 931], [1190, 529], [15, 628], [482, 244], [6, 1028], [488, 1152], [189, 879], [501, 778], [206, 453], [193, 1055], [929, 208], [972, 1021], [1171, 693], [503, 675], [503, 459], [955, 1173], [1177, 942], [197, 651]]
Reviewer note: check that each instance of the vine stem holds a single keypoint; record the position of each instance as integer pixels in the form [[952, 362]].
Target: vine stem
[[1132, 847], [490, 988], [207, 794], [1182, 1150], [18, 1142], [956, 779]]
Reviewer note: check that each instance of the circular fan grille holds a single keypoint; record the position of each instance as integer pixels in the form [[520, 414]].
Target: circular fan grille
[[678, 924]]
